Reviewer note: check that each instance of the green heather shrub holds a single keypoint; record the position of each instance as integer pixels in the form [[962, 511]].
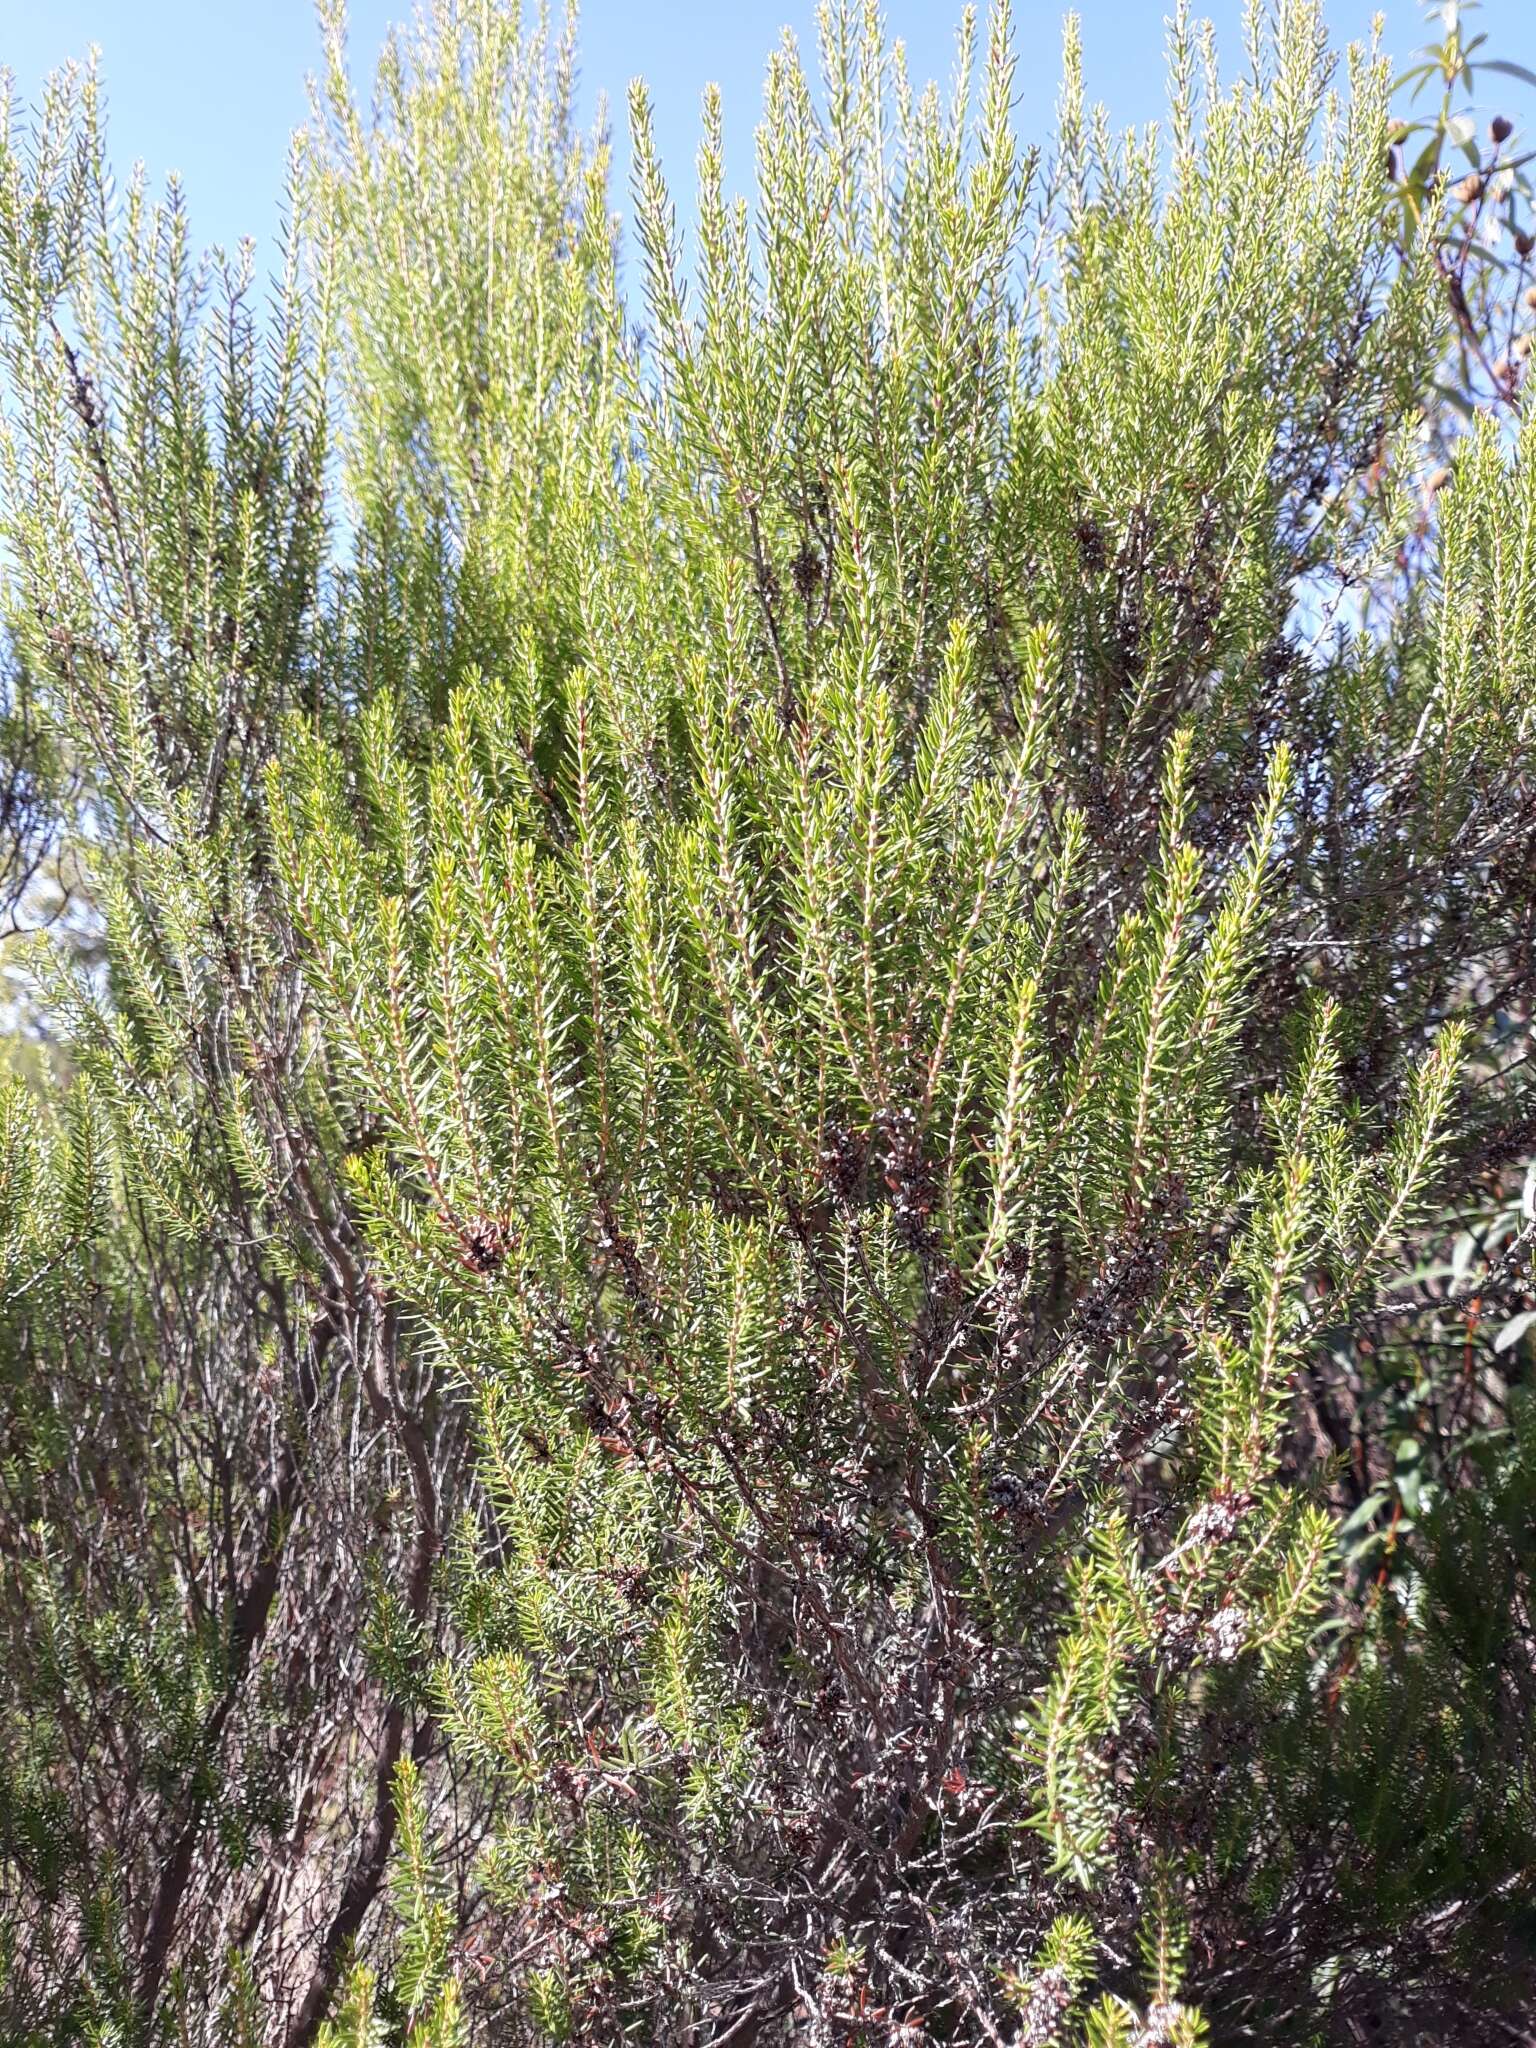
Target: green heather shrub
[[767, 1261]]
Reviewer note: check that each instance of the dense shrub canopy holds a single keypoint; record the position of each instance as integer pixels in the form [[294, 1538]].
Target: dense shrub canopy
[[767, 1276]]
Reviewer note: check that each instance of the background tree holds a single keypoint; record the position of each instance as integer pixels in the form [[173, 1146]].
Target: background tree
[[1484, 229]]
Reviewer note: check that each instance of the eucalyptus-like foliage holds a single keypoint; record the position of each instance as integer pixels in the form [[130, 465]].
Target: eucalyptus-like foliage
[[863, 973]]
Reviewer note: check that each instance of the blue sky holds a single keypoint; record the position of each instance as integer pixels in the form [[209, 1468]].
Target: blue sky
[[212, 88]]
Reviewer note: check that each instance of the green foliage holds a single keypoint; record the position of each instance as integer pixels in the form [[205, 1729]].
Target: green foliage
[[803, 1039], [1480, 217]]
